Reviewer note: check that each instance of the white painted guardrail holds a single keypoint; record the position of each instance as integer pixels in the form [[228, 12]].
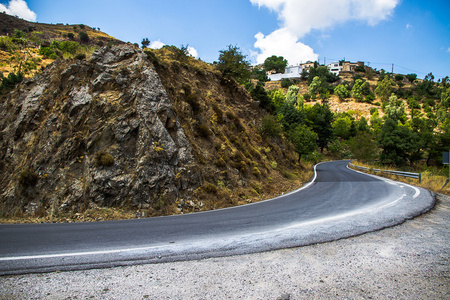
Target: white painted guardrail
[[399, 173]]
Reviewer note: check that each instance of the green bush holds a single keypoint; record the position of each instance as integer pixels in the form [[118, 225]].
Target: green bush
[[103, 158], [286, 83], [210, 188], [270, 127], [28, 178]]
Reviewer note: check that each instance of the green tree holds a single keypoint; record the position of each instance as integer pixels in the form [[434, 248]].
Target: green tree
[[357, 89], [321, 118], [304, 139], [411, 77], [315, 86], [258, 93], [84, 37], [384, 88], [342, 127], [277, 63], [270, 127], [291, 94], [398, 144], [395, 109], [363, 147], [232, 63], [145, 43], [342, 92], [290, 116], [277, 96]]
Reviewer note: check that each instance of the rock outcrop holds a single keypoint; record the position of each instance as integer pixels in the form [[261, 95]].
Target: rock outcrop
[[97, 132]]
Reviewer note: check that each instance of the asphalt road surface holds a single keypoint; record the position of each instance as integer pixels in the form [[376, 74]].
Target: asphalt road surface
[[337, 203]]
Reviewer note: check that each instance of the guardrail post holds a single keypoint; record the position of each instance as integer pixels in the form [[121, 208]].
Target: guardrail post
[[420, 177]]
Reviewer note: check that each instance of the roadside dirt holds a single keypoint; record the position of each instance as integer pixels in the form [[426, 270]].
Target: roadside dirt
[[409, 261]]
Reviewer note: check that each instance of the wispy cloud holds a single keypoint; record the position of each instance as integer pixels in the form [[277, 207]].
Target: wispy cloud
[[408, 26], [18, 8], [300, 17]]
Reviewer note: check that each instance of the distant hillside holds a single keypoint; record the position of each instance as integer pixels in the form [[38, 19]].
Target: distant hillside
[[21, 43]]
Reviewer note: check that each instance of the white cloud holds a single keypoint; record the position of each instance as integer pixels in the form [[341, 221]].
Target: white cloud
[[18, 8], [284, 43], [156, 44], [448, 50], [300, 17], [192, 51], [408, 26]]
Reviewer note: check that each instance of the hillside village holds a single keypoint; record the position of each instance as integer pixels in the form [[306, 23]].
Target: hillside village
[[94, 128]]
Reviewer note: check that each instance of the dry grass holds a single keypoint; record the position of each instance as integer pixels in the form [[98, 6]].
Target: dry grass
[[430, 180]]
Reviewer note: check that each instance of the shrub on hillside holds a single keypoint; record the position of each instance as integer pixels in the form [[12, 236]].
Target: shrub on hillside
[[103, 158]]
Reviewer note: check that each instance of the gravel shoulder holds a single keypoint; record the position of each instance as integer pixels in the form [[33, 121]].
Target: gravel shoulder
[[408, 261]]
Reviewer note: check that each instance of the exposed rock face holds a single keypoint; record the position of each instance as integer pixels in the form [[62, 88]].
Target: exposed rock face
[[99, 132]]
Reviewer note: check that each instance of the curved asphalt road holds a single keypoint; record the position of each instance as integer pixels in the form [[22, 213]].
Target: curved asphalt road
[[337, 203]]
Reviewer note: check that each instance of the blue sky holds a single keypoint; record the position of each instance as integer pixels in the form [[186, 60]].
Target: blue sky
[[411, 34]]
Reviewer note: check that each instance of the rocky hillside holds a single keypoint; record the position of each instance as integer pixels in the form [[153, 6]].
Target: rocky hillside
[[111, 132]]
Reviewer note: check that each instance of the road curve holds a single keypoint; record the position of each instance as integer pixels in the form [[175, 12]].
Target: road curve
[[337, 203]]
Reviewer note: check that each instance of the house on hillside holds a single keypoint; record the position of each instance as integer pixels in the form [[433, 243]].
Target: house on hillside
[[308, 65], [344, 66], [289, 72], [335, 68]]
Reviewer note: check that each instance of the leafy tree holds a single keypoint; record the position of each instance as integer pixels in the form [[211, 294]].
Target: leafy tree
[[277, 63], [286, 82], [315, 86], [259, 74], [376, 122], [362, 125], [291, 95], [232, 63], [258, 93], [342, 91], [342, 127], [270, 127], [10, 81], [290, 116], [357, 89], [411, 77], [145, 43], [395, 109], [363, 147], [84, 37], [384, 88], [304, 139], [277, 96], [398, 144], [399, 77], [321, 118]]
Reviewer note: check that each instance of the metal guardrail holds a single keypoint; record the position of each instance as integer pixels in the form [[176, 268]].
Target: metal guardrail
[[399, 173]]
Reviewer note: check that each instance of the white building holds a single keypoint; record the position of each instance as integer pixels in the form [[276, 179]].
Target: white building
[[289, 72], [335, 68]]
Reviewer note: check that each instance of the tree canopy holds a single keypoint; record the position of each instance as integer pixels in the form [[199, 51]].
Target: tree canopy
[[232, 63], [277, 63]]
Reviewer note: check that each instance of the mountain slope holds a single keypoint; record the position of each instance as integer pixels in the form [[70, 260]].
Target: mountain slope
[[109, 133]]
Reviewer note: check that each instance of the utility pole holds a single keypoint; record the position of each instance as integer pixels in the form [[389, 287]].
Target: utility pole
[[392, 69]]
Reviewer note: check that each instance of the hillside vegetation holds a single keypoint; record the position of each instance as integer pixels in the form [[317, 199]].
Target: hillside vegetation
[[104, 136], [95, 129]]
